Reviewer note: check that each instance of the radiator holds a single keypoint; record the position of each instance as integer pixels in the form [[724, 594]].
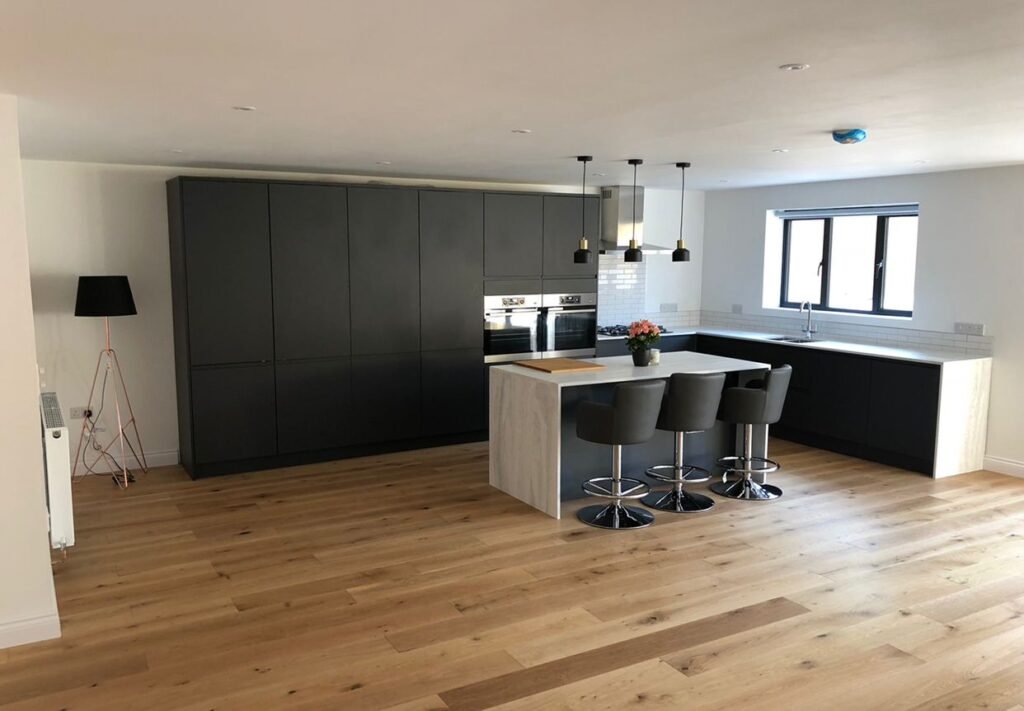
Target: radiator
[[57, 459]]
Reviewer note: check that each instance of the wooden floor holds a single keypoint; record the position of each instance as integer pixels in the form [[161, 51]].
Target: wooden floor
[[406, 582]]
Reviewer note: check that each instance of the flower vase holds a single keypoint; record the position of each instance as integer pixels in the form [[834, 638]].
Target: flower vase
[[642, 357]]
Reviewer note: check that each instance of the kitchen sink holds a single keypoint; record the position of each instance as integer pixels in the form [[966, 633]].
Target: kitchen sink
[[794, 339]]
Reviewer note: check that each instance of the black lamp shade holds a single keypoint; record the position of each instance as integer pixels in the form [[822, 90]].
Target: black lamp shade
[[633, 254], [680, 254], [581, 256], [104, 296]]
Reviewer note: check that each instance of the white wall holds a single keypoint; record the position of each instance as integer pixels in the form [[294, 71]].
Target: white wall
[[86, 218], [28, 607], [969, 266]]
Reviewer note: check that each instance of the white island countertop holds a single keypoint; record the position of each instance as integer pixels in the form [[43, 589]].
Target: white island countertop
[[620, 369]]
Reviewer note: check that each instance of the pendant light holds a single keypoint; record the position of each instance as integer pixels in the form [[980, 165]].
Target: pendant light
[[681, 253], [583, 255], [633, 254]]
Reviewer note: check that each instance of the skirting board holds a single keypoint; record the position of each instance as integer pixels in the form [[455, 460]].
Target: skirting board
[[1005, 466], [166, 458], [35, 629]]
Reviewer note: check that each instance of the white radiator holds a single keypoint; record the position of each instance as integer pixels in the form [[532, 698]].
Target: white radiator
[[57, 455]]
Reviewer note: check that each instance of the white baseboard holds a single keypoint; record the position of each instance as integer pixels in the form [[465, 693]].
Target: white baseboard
[[165, 458], [35, 629], [1005, 466]]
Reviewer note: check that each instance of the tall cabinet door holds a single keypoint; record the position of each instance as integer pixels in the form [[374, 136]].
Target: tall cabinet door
[[385, 270], [233, 413], [309, 244], [513, 235], [451, 270], [227, 256], [563, 226]]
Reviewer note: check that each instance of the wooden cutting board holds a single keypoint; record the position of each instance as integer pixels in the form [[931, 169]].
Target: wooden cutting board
[[560, 365]]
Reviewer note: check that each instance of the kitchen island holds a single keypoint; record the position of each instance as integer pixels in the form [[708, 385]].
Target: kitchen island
[[535, 455]]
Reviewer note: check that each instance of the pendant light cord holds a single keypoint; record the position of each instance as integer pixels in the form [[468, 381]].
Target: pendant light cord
[[682, 191], [583, 201], [634, 202]]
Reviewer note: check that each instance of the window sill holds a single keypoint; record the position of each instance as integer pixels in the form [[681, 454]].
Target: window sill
[[842, 314]]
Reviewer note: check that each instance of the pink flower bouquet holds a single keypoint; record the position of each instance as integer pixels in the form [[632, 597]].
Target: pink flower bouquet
[[642, 335]]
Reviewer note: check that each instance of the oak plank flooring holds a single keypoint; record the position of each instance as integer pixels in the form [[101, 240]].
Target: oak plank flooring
[[405, 583]]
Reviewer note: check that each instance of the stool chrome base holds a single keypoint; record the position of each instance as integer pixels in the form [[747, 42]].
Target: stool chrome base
[[678, 501], [747, 489], [615, 516]]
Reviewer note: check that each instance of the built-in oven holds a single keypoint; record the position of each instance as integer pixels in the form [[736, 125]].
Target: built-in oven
[[570, 325], [512, 328]]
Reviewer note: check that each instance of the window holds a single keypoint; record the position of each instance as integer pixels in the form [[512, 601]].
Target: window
[[856, 260]]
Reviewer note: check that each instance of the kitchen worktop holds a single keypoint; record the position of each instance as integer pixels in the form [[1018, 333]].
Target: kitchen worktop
[[914, 355], [620, 369]]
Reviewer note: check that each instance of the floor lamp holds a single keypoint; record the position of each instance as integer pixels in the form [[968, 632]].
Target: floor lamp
[[108, 296]]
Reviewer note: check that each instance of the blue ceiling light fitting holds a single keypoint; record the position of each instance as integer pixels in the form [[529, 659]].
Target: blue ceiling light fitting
[[847, 136]]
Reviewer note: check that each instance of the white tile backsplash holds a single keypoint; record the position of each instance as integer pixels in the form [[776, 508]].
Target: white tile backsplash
[[855, 333], [621, 296]]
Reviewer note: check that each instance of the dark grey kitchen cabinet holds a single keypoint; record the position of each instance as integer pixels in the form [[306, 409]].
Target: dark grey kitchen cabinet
[[385, 397], [904, 403], [513, 235], [668, 344], [563, 226], [309, 247], [226, 235], [454, 391], [451, 270], [384, 270], [840, 404], [314, 405], [233, 413]]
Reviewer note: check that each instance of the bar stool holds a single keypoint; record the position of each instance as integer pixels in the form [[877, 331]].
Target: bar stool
[[630, 419], [760, 403], [690, 405]]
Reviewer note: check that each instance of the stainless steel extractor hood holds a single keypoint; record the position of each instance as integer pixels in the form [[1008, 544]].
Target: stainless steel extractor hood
[[617, 221]]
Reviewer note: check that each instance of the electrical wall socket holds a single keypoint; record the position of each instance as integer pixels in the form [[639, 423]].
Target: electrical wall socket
[[737, 308], [78, 413], [969, 329]]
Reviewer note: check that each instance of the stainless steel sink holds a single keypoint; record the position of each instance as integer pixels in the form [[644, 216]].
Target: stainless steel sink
[[794, 339]]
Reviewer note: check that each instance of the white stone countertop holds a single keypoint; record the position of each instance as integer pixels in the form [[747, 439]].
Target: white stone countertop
[[620, 369], [915, 355]]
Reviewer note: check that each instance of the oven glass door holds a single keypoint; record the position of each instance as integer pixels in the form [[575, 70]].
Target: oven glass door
[[510, 334], [571, 330]]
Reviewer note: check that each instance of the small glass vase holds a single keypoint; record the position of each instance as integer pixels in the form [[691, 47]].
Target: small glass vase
[[642, 357]]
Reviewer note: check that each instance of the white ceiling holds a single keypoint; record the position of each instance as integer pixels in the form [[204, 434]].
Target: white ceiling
[[435, 86]]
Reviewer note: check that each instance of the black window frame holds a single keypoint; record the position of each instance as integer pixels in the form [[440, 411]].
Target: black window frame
[[881, 245]]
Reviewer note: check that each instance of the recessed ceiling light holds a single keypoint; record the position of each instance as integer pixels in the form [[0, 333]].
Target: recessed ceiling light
[[794, 67], [383, 162], [176, 150], [522, 130], [600, 175], [723, 181], [244, 108], [780, 150], [921, 162]]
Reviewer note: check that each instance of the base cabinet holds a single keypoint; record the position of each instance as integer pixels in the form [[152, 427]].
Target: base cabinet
[[454, 392], [314, 405], [385, 397], [233, 413], [875, 408]]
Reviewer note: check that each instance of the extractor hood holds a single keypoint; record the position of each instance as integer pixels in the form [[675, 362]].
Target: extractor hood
[[617, 221]]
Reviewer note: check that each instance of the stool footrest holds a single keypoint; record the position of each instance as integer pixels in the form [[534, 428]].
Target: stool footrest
[[602, 487], [672, 474]]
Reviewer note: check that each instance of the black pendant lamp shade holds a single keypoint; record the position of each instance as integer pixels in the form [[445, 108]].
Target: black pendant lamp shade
[[633, 254], [681, 253], [583, 255], [104, 296]]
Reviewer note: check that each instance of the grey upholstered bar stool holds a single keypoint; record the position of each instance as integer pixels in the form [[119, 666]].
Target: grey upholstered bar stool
[[690, 405], [630, 419], [760, 403]]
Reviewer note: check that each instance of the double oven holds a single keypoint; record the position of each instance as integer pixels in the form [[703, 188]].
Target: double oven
[[528, 326]]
